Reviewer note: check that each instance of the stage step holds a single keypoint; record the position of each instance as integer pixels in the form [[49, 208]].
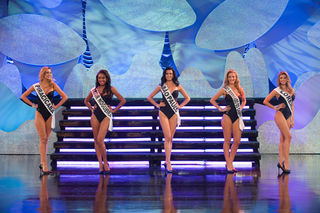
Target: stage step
[[137, 131]]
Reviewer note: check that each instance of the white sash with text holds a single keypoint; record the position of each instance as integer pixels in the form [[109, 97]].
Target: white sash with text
[[237, 105], [103, 106], [171, 101]]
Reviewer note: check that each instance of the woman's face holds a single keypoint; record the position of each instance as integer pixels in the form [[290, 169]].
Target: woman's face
[[169, 75], [48, 74], [102, 79], [283, 79], [232, 78]]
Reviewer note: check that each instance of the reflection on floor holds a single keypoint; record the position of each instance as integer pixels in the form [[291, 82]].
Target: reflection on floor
[[140, 189]]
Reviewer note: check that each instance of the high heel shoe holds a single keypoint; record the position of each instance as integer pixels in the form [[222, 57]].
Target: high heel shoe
[[42, 172], [106, 172], [231, 171], [287, 171], [165, 166]]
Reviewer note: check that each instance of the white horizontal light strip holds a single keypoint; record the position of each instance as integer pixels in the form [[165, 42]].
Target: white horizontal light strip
[[186, 150], [191, 117], [221, 150], [78, 128], [77, 150], [212, 118], [129, 139], [132, 118], [133, 128], [207, 150], [81, 139], [187, 139], [193, 107], [108, 150], [71, 118], [79, 107], [189, 128], [106, 139], [136, 107], [222, 139], [114, 128], [95, 164], [221, 164], [128, 150]]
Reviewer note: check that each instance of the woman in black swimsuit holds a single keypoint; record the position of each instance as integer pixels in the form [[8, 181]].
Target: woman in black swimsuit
[[284, 118], [99, 121], [43, 117], [168, 119], [230, 119]]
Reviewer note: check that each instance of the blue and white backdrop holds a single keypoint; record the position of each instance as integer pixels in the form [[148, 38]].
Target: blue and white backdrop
[[135, 39]]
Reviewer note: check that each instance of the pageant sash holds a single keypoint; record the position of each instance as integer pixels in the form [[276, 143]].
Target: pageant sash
[[103, 106], [236, 102], [46, 102], [286, 97], [172, 102]]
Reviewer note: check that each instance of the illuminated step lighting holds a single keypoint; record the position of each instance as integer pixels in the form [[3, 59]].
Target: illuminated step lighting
[[136, 107], [133, 128], [207, 150], [77, 150], [128, 150], [189, 128], [132, 118], [212, 127], [78, 128], [115, 118], [222, 139], [71, 118], [187, 139], [107, 139], [95, 164], [79, 107], [213, 164], [108, 150], [191, 117], [212, 118], [221, 150]]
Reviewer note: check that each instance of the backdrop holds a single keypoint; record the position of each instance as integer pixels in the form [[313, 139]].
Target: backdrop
[[134, 40]]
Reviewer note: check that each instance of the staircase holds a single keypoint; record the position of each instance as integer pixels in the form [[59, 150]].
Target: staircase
[[137, 135]]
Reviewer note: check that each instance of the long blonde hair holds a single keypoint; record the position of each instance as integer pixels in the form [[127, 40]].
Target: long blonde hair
[[42, 74], [236, 83], [288, 84]]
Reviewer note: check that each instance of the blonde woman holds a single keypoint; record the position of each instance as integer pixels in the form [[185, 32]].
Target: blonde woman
[[284, 116], [45, 109], [232, 121]]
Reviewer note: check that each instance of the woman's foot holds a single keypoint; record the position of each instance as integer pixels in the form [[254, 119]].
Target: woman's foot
[[106, 168]]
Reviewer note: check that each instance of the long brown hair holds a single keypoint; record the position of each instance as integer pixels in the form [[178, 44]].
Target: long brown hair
[[107, 87], [288, 84], [42, 73], [236, 83]]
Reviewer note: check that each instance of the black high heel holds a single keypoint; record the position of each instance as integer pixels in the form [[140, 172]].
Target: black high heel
[[287, 171], [108, 171], [231, 171], [165, 166]]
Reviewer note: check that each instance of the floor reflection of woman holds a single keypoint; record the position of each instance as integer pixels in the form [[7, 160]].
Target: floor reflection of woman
[[230, 197], [168, 198], [43, 196], [100, 202], [284, 196]]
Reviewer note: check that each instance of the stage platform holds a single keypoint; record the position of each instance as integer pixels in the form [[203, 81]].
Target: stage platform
[[143, 189]]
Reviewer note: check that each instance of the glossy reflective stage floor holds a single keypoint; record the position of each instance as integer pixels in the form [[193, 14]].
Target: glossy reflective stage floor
[[150, 190]]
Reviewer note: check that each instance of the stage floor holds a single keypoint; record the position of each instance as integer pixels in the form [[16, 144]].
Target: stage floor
[[130, 189]]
